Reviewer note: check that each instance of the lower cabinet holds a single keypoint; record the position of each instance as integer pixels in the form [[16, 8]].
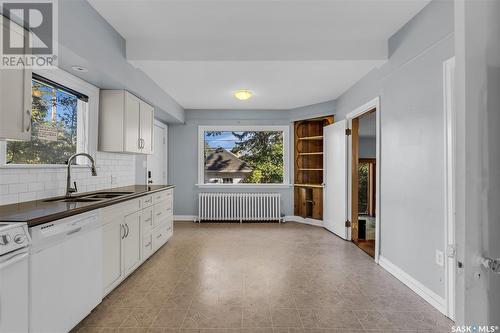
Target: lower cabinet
[[112, 255], [131, 243], [132, 232]]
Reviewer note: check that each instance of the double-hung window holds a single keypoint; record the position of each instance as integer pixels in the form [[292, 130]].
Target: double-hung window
[[60, 122]]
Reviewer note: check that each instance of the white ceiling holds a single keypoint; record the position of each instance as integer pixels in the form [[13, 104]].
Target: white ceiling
[[291, 53]]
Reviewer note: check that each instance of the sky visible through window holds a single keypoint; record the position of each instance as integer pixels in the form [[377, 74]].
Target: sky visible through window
[[225, 139]]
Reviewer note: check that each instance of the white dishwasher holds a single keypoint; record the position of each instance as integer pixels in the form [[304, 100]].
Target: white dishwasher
[[65, 272]]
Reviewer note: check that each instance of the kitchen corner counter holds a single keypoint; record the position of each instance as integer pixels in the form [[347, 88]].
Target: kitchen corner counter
[[43, 211]]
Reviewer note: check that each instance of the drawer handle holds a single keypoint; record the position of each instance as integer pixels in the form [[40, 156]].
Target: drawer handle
[[148, 244], [159, 236], [148, 220], [158, 214]]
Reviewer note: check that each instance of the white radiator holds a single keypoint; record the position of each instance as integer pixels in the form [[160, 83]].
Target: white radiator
[[239, 207]]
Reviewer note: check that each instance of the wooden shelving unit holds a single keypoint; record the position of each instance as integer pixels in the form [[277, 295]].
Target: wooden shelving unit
[[308, 187]]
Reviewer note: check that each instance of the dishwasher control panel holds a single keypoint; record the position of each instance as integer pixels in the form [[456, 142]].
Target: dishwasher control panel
[[13, 236]]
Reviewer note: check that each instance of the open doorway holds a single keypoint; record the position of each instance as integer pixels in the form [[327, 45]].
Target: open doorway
[[363, 181]]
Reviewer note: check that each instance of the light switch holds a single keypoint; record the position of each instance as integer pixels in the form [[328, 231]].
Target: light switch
[[439, 258]]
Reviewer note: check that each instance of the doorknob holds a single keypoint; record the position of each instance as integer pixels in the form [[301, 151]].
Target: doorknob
[[491, 264]]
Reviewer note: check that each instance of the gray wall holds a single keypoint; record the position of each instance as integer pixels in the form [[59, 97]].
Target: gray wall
[[410, 86], [86, 39], [183, 153]]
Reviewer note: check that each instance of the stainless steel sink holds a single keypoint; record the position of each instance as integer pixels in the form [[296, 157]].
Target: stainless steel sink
[[78, 199], [93, 197], [107, 195]]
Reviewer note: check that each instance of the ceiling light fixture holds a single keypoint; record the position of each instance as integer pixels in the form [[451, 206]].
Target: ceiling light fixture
[[79, 69], [243, 94]]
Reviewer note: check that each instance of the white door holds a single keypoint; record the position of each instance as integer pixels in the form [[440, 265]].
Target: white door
[[147, 116], [335, 178], [131, 243], [156, 161]]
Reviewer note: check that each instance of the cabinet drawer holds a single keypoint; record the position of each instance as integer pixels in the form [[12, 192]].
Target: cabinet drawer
[[147, 246], [160, 236], [146, 201], [161, 211], [162, 195], [147, 219]]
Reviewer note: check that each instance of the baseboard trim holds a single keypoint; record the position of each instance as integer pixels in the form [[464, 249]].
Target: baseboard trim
[[428, 295], [300, 219], [185, 218]]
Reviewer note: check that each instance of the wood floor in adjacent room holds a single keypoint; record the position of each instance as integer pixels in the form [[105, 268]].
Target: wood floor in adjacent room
[[260, 278]]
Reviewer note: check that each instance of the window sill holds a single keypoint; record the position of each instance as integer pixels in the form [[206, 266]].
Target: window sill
[[244, 185]]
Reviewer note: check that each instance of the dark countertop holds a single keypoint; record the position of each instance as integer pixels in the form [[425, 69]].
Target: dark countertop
[[40, 211]]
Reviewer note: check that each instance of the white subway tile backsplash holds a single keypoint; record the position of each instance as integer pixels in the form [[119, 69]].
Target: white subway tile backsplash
[[26, 184]]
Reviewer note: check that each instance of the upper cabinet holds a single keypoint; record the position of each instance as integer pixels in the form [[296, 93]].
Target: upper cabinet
[[125, 123], [15, 95]]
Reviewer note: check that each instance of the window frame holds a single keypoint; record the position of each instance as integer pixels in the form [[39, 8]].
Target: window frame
[[72, 82], [240, 128]]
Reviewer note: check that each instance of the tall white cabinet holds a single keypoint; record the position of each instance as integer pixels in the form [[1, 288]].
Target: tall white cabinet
[[125, 123], [15, 94]]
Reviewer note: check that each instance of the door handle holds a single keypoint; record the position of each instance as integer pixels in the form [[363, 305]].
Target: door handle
[[122, 231], [491, 264], [128, 230]]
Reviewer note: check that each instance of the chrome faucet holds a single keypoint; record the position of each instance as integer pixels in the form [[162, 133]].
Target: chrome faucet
[[70, 189]]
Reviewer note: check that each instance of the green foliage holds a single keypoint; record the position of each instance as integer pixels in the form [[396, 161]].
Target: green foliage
[[263, 152], [39, 151], [363, 176]]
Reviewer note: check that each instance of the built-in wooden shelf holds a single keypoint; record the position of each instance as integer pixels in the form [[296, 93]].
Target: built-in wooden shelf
[[308, 166], [308, 154], [317, 137], [309, 185]]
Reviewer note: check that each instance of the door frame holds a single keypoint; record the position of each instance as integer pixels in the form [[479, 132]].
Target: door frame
[[449, 185], [165, 161], [365, 108]]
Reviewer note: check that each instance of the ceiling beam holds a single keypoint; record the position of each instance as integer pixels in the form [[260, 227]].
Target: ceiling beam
[[260, 50]]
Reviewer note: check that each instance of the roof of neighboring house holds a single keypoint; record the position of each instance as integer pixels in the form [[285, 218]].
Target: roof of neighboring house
[[222, 160]]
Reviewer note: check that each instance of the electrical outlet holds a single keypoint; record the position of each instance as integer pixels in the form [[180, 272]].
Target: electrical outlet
[[439, 258]]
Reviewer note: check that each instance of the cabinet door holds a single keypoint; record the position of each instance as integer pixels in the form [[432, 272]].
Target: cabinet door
[[15, 96], [300, 201], [131, 123], [146, 133], [131, 243], [112, 234], [317, 208]]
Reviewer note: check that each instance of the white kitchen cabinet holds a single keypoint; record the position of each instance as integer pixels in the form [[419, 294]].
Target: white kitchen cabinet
[[132, 231], [146, 126], [125, 123], [15, 95], [112, 234], [131, 243]]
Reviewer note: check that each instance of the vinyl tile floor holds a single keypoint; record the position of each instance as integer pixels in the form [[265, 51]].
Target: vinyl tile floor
[[261, 278]]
